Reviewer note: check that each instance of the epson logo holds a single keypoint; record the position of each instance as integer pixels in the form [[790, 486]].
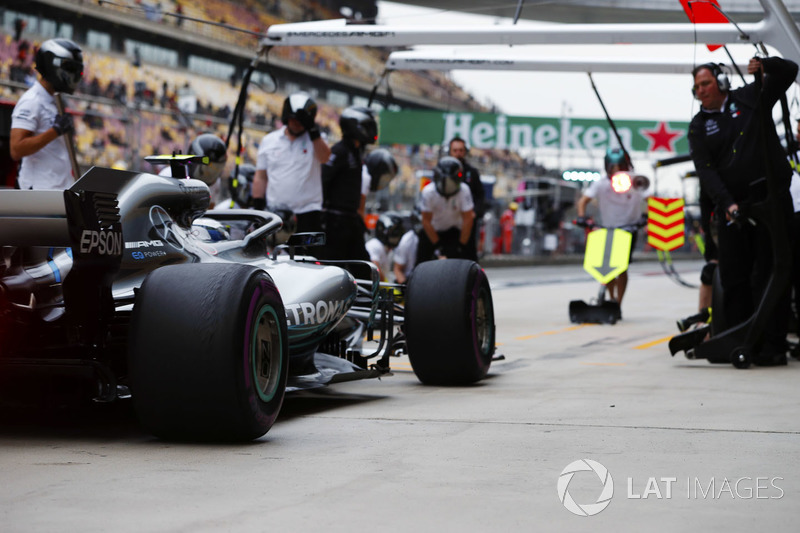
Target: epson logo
[[145, 244], [101, 242]]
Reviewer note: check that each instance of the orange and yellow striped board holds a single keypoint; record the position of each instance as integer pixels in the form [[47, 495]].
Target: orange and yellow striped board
[[665, 223]]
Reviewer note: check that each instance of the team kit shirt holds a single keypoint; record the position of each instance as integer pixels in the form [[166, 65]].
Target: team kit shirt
[[366, 181], [616, 209], [342, 178], [50, 167], [726, 145], [380, 256], [447, 212], [405, 254], [293, 171]]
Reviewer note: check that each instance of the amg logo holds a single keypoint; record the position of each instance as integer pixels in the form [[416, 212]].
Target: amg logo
[[309, 313], [105, 242], [144, 244]]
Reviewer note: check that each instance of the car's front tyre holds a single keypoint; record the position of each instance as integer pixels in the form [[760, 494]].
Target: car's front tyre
[[449, 322]]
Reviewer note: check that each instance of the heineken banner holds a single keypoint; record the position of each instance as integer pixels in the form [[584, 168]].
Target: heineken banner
[[489, 130]]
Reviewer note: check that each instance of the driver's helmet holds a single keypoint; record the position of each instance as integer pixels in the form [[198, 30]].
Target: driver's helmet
[[60, 62], [210, 230], [382, 168], [212, 146], [358, 123], [301, 106], [389, 229], [448, 175], [289, 223], [239, 185], [618, 157]]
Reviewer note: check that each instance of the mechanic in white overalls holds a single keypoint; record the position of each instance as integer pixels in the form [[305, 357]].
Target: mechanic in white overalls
[[36, 126]]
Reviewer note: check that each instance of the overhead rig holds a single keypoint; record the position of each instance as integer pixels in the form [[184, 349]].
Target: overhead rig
[[776, 29]]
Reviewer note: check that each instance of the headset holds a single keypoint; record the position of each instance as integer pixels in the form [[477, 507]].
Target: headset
[[723, 83]]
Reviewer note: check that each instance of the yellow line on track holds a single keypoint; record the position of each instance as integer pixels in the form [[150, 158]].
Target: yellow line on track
[[553, 332], [652, 343]]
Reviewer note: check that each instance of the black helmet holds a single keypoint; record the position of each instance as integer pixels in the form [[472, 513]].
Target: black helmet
[[301, 106], [389, 229], [212, 146], [448, 175], [359, 123], [381, 167], [60, 62], [239, 185], [289, 223], [616, 156]]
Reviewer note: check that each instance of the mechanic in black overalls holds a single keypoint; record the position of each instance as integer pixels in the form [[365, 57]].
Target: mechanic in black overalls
[[458, 149], [341, 186], [728, 153]]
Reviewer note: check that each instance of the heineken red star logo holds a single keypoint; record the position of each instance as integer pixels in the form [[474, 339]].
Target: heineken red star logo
[[662, 138]]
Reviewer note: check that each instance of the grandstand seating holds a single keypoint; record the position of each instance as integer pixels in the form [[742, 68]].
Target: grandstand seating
[[143, 127]]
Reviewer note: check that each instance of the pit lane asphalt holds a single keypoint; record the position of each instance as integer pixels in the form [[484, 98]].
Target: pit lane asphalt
[[393, 455]]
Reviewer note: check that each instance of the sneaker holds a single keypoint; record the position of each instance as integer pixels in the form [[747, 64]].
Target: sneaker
[[700, 318]]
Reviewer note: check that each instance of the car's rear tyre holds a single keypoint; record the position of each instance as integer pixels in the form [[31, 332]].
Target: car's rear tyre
[[208, 352], [449, 322]]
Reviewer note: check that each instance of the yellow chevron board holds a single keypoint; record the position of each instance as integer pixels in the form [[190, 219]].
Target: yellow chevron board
[[607, 253], [665, 223]]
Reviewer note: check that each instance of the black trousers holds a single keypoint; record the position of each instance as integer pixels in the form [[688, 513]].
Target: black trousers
[[309, 221], [344, 236], [745, 265], [448, 245]]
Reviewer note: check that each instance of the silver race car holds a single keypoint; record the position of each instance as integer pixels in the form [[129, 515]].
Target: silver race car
[[127, 281]]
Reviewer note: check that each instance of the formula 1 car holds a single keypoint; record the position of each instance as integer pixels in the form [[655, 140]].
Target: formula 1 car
[[119, 280]]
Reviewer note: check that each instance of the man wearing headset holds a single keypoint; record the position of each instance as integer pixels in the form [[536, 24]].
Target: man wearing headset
[[729, 154], [472, 178]]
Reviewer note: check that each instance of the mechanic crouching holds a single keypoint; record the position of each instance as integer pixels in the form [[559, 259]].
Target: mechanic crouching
[[447, 214]]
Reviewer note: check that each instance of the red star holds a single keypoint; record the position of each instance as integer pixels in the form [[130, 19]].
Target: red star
[[662, 138]]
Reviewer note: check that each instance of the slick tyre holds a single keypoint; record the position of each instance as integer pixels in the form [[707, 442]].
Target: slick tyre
[[449, 322], [208, 352]]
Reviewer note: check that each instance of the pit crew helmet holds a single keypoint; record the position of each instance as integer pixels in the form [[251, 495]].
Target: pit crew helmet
[[239, 185], [616, 156], [301, 106], [382, 168], [212, 146], [447, 176], [389, 228], [358, 123], [60, 62], [289, 223]]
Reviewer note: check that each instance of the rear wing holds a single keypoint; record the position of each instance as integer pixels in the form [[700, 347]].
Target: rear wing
[[33, 218], [86, 221]]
